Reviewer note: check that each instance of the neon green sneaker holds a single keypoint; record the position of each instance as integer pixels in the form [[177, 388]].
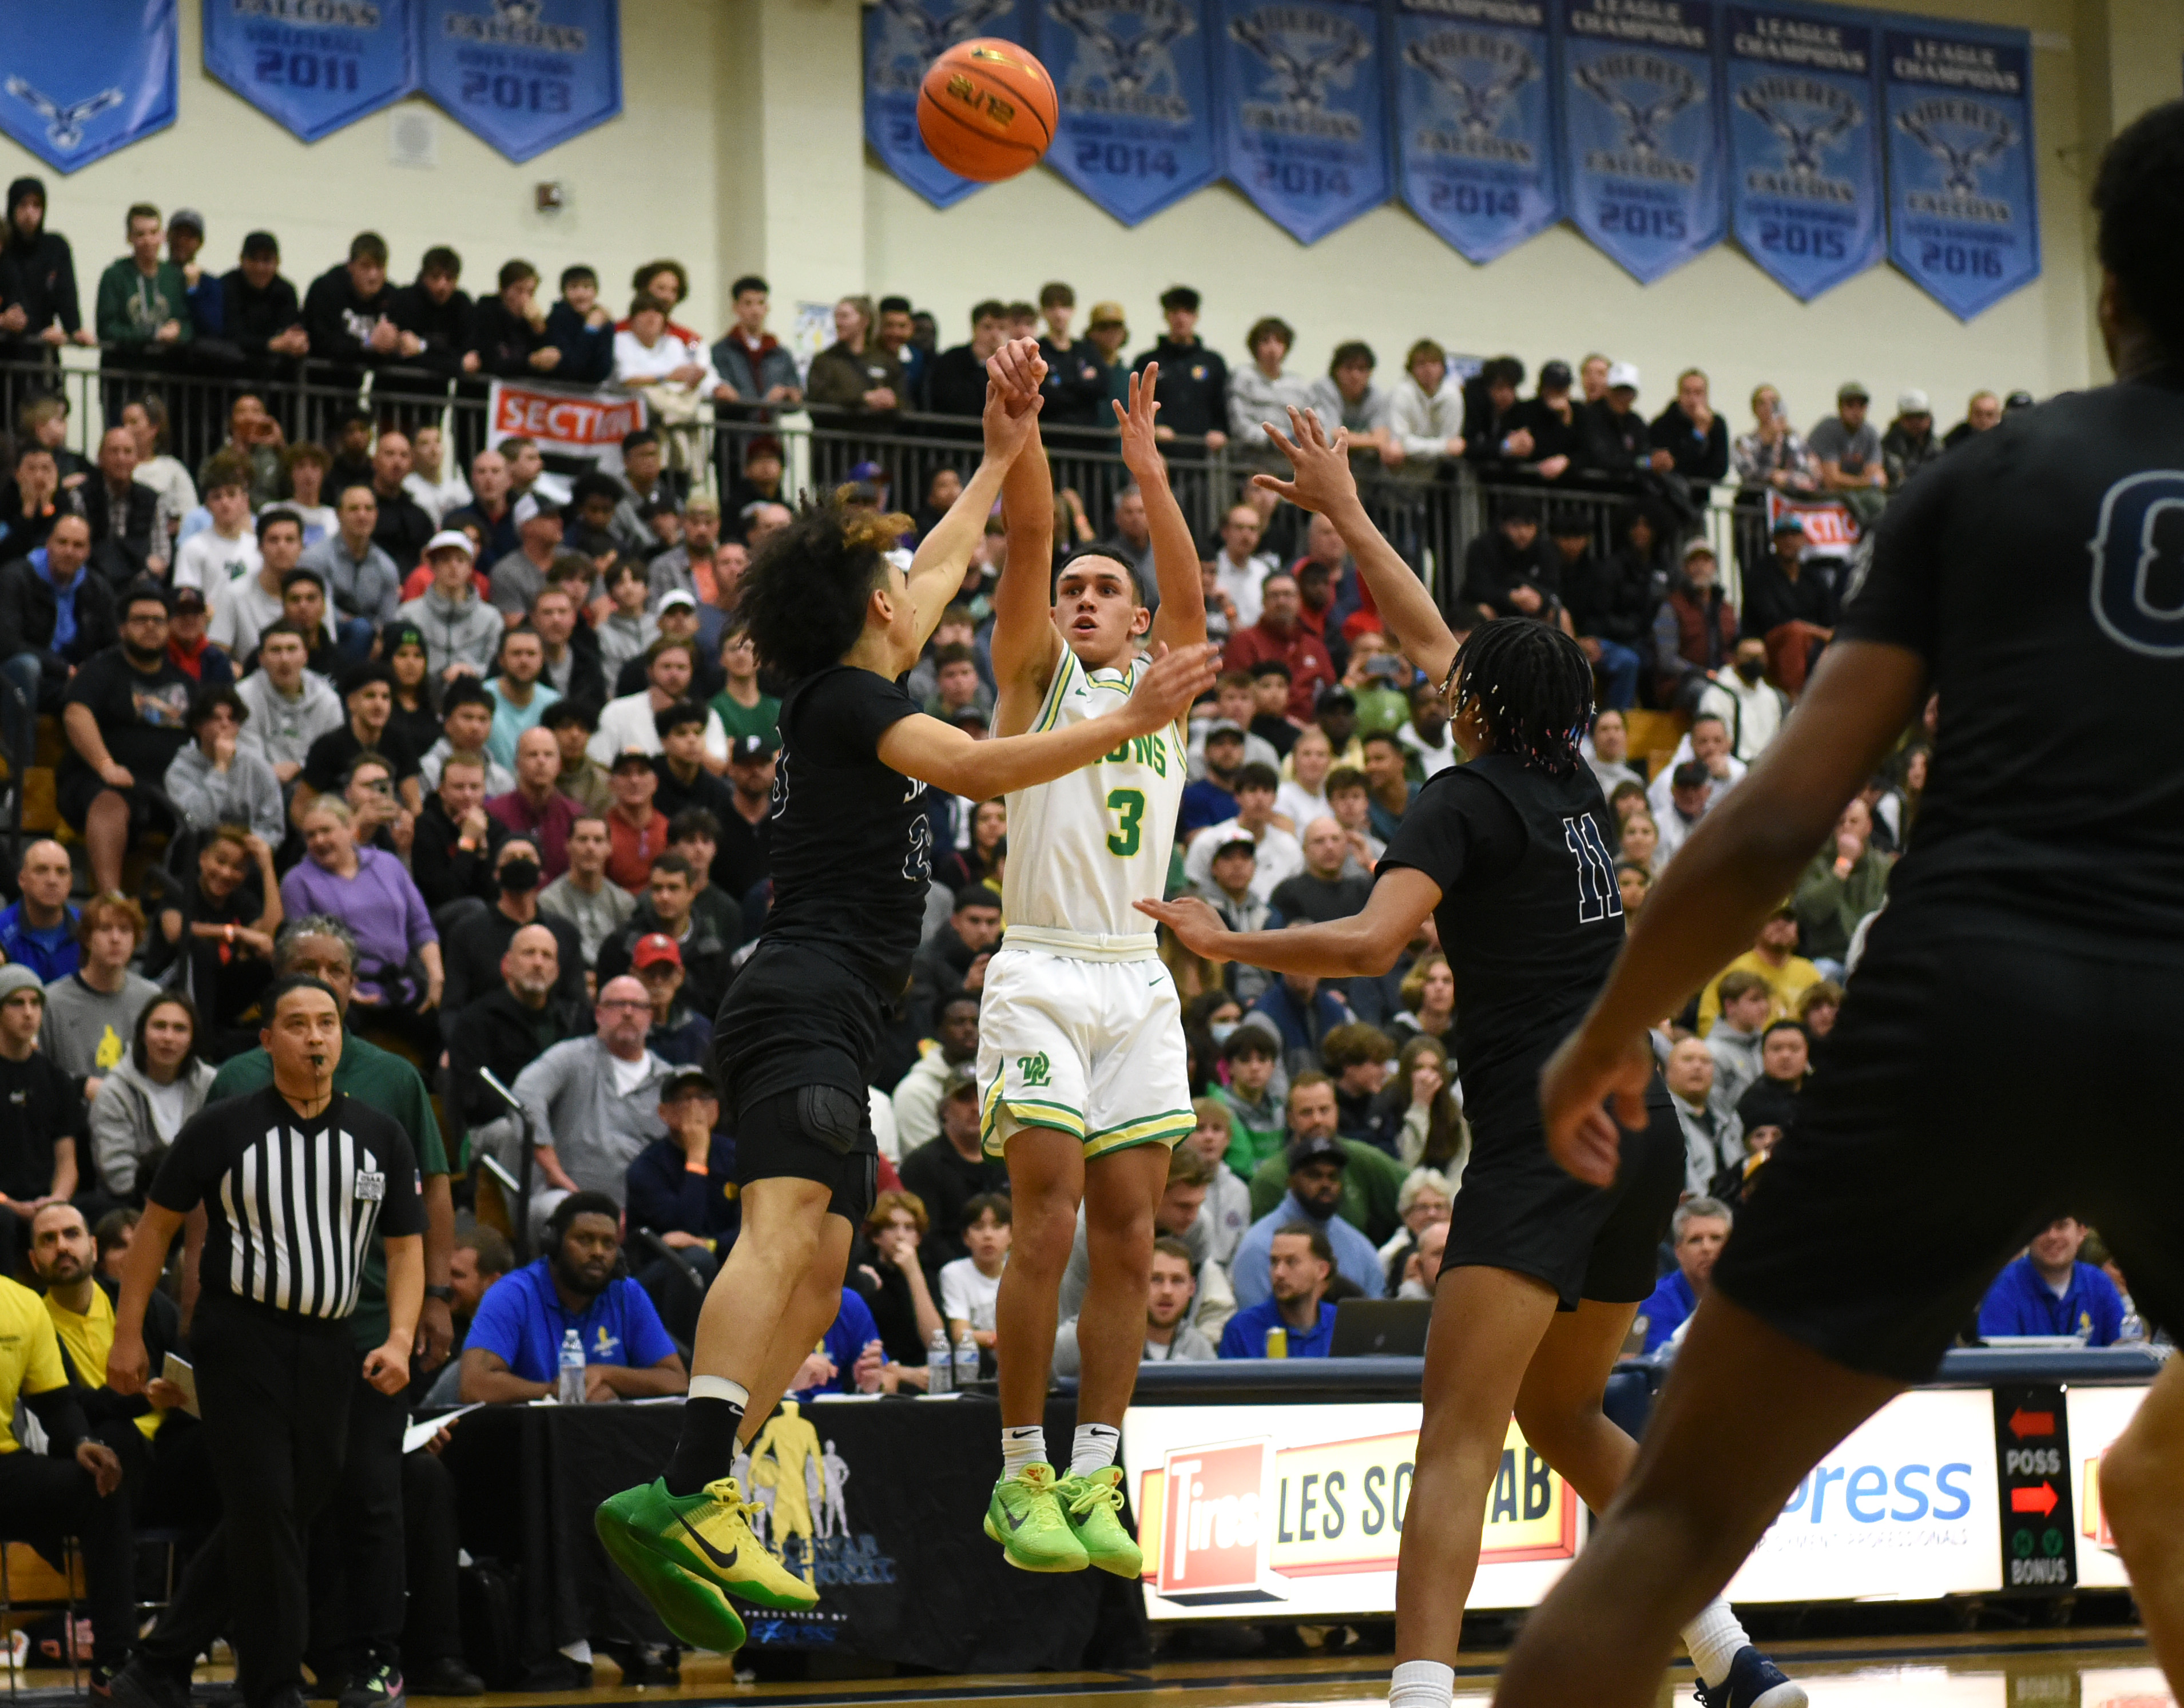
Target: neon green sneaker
[[1025, 1518], [1093, 1506], [686, 1553]]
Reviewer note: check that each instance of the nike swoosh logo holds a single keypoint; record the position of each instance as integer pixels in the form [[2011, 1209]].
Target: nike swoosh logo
[[722, 1561], [1015, 1523]]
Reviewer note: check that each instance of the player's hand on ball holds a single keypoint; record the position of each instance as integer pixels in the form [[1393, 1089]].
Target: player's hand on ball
[[1196, 926], [1575, 1087], [1176, 681]]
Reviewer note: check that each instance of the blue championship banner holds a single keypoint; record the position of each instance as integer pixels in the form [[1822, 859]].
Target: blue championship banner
[[1804, 144], [523, 74], [1962, 221], [1475, 119], [1136, 82], [902, 39], [1642, 130], [78, 81], [312, 66], [1304, 120]]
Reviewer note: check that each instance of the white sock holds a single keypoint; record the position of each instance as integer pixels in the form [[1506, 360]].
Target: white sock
[[1714, 1638], [1023, 1447], [1421, 1685], [719, 1388], [1093, 1448]]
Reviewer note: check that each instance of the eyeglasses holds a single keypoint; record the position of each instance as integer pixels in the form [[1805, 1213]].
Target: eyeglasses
[[624, 1003]]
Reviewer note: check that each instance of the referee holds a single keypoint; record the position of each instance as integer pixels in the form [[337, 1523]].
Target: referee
[[295, 1181]]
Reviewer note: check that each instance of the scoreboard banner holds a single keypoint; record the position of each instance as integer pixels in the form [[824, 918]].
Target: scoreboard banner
[[902, 39], [313, 68], [1806, 199], [1135, 83], [1643, 128], [80, 80], [1304, 123], [1474, 120], [1962, 219], [522, 75]]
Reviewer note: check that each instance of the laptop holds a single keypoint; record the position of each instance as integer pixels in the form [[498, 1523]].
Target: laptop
[[1380, 1328]]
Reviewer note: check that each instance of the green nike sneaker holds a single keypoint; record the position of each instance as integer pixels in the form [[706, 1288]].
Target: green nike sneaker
[[686, 1553], [1093, 1508], [1025, 1518]]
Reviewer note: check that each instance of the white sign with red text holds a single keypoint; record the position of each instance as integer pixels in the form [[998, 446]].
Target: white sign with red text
[[565, 421]]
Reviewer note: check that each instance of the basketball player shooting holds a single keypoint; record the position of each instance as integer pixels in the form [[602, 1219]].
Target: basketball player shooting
[[1084, 1083]]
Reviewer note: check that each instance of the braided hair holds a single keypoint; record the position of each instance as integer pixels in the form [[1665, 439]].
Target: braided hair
[[1534, 686]]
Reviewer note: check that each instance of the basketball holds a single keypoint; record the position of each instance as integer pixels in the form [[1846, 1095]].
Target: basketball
[[986, 110]]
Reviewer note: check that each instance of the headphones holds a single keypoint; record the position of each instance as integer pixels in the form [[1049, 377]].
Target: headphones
[[567, 1210]]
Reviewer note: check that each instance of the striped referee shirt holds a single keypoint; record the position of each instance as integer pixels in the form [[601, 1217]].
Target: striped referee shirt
[[292, 1205]]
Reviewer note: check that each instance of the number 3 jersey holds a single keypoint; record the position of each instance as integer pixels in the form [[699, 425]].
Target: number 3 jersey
[[1083, 847], [1530, 916]]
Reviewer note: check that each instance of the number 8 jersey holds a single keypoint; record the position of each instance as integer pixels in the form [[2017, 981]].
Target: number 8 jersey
[[1083, 848]]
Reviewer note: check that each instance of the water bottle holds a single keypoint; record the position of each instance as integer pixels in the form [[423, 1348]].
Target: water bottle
[[2131, 1331], [571, 1388], [967, 1362], [939, 1364]]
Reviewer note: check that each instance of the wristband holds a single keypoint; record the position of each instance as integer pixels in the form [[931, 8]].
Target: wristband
[[445, 1294]]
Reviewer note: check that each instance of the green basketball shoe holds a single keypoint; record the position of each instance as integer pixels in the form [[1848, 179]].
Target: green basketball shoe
[[1093, 1508], [1026, 1519]]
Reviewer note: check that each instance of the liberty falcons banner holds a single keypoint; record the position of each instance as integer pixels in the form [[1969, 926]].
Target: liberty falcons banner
[[902, 38], [77, 82], [1804, 144], [1304, 124], [1474, 120], [312, 66], [523, 74], [1962, 221], [1136, 82], [1642, 130]]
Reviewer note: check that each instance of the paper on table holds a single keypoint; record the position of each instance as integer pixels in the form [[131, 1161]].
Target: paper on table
[[417, 1435], [180, 1371]]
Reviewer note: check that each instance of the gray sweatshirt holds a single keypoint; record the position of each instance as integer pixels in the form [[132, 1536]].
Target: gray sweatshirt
[[246, 793], [86, 1032], [468, 633], [596, 1129], [280, 731], [125, 1140]]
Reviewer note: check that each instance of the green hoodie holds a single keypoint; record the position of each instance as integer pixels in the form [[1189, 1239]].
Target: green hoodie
[[131, 307]]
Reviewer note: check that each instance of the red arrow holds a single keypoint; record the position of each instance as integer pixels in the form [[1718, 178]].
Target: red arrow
[[2023, 1423], [2041, 1500]]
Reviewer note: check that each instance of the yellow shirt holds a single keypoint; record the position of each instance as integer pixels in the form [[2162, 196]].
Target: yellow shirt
[[30, 1355], [89, 1337], [1788, 982]]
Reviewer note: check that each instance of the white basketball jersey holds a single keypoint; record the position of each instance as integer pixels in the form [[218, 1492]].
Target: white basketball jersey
[[1083, 848]]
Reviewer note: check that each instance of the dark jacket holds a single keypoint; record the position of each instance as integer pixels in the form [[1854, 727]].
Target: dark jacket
[[1076, 388], [441, 871], [1771, 598], [1612, 444], [1700, 458], [937, 973], [251, 317], [41, 275], [339, 320], [662, 1193], [29, 609], [1614, 598], [840, 377], [474, 950], [1704, 630], [1194, 387], [956, 383], [587, 352], [1493, 568], [753, 379], [494, 1032], [504, 341], [402, 530], [706, 956], [445, 327], [120, 535], [1552, 436]]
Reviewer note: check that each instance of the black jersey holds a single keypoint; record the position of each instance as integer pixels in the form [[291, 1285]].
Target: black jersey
[[1530, 916], [851, 852], [2039, 569]]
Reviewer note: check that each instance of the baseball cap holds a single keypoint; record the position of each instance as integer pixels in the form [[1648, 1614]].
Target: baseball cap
[[530, 506], [1223, 726], [654, 947], [1622, 376], [686, 1080], [450, 540], [190, 599], [1912, 401], [970, 717], [631, 758], [678, 596], [187, 216], [1850, 392], [1110, 315], [1336, 696], [961, 1077], [14, 976], [1789, 522], [1305, 1151], [1555, 377], [1237, 845], [1700, 548], [870, 473], [749, 749], [2017, 400]]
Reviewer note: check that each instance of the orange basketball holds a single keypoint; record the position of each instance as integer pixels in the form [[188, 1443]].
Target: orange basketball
[[986, 110]]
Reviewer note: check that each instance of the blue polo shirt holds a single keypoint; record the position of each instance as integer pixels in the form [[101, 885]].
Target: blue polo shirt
[[2021, 1303], [846, 1337], [51, 954], [1245, 1336], [1671, 1301], [521, 1319]]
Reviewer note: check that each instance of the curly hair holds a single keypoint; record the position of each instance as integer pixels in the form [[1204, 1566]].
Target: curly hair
[[805, 595], [1534, 688]]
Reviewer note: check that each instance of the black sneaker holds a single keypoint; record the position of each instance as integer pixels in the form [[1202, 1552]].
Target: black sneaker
[[1753, 1682], [447, 1677], [140, 1684], [379, 1685], [557, 1674], [650, 1663]]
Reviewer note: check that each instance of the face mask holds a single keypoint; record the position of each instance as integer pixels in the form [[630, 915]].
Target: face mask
[[1223, 1029], [520, 876]]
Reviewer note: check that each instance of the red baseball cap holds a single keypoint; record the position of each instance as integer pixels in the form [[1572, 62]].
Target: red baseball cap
[[654, 948]]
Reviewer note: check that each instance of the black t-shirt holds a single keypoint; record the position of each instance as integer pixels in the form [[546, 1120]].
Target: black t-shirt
[[333, 752], [38, 1105], [292, 1205], [144, 715], [740, 862], [2039, 570], [1317, 899], [1530, 916], [852, 854]]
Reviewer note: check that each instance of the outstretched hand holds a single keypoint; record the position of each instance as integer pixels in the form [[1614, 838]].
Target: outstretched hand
[[1172, 686], [1009, 422], [1196, 926], [1319, 467], [1137, 424], [1575, 1089], [1019, 370]]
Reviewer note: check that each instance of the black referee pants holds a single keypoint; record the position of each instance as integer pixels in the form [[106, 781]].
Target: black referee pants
[[275, 1391], [43, 1499], [356, 1544]]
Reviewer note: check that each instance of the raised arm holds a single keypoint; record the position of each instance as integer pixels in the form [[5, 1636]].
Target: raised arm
[[1364, 943], [939, 753], [1180, 622], [1027, 647], [936, 573], [1320, 479]]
